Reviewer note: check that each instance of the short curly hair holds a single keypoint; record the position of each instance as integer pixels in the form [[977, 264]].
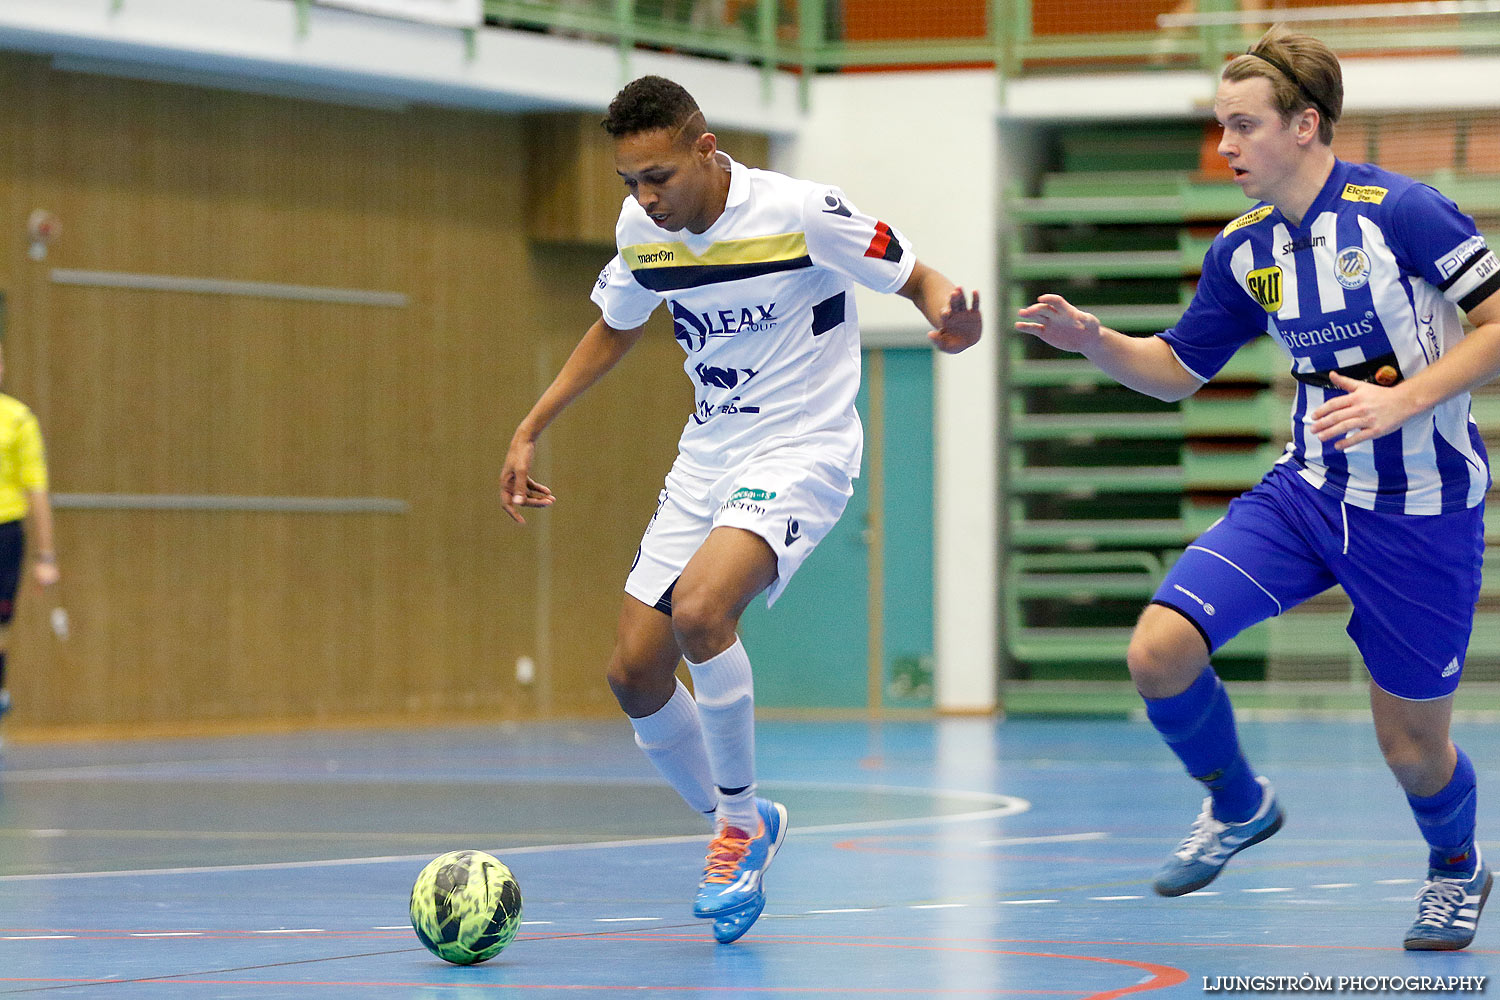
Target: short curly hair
[[647, 104]]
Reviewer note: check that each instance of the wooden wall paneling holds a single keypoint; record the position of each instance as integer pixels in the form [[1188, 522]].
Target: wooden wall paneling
[[573, 193], [202, 616]]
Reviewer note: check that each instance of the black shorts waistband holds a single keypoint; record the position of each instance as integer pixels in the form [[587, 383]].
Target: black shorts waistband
[[1384, 370]]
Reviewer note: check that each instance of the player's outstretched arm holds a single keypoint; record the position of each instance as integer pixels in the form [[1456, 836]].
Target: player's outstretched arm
[[956, 323], [601, 349], [1145, 364]]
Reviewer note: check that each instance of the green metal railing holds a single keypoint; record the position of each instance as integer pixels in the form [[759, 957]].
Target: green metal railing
[[807, 35], [802, 34]]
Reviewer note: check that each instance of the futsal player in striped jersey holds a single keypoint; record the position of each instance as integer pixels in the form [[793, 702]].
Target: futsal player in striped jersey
[[757, 272], [1360, 275]]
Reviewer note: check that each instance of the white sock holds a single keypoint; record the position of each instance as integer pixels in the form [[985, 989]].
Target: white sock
[[726, 706], [672, 738]]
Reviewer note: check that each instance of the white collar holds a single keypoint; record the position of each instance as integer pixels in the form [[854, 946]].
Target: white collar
[[739, 182]]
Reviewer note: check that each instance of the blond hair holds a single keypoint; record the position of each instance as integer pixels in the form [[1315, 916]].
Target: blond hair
[[1304, 73]]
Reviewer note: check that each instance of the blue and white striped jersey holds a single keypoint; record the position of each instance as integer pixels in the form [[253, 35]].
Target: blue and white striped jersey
[[1369, 285]]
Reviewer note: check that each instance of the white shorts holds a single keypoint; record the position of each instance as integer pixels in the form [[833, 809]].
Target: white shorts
[[791, 501]]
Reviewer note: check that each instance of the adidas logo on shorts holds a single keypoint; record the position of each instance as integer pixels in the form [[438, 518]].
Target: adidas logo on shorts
[[1452, 668]]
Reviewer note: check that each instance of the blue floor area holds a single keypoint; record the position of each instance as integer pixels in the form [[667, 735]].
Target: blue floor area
[[964, 858]]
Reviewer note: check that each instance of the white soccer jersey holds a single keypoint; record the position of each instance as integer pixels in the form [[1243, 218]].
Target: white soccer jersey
[[761, 303]]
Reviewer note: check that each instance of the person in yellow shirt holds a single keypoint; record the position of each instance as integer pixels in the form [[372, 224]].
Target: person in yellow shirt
[[23, 498]]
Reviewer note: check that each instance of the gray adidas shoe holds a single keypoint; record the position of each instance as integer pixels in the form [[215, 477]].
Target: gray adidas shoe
[[1199, 858], [1448, 910]]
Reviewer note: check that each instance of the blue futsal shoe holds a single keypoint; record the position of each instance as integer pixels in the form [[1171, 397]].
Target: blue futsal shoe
[[1199, 859], [732, 879], [1448, 909], [730, 929]]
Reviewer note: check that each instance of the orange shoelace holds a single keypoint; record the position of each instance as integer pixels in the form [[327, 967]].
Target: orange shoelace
[[725, 852]]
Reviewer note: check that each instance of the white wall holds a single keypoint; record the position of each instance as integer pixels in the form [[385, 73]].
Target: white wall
[[919, 150], [1450, 83], [349, 57]]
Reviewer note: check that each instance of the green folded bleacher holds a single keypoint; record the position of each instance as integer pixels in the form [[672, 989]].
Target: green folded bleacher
[[1104, 486]]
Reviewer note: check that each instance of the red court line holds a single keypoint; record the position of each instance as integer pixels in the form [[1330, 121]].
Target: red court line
[[1294, 946], [614, 988], [1162, 976]]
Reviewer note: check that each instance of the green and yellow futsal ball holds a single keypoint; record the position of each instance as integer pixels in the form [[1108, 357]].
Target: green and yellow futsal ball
[[466, 907]]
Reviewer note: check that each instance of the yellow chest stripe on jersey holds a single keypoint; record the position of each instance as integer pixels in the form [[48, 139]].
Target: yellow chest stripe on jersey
[[753, 250]]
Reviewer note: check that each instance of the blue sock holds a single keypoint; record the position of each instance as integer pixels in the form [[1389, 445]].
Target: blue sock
[[1198, 725], [1447, 820]]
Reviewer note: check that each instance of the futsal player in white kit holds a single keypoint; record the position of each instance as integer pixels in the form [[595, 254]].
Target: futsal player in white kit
[[757, 270]]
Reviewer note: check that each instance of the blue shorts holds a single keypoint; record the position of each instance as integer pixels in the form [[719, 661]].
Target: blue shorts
[[1413, 578]]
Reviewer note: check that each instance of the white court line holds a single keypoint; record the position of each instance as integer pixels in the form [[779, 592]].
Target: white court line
[[847, 909], [624, 920], [1061, 838], [1336, 885], [1274, 889], [1025, 902], [292, 930], [1107, 898], [1004, 805], [1395, 881], [162, 934], [938, 906], [39, 937]]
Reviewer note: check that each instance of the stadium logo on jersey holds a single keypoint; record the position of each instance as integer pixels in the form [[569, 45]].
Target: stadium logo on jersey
[[1295, 246], [1456, 258], [836, 207], [1368, 193], [1249, 218], [723, 378], [1264, 286], [1351, 268], [884, 246]]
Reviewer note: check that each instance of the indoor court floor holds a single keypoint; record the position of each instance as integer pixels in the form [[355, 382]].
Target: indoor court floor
[[962, 858]]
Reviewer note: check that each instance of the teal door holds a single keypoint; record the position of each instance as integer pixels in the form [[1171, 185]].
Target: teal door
[[865, 595]]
